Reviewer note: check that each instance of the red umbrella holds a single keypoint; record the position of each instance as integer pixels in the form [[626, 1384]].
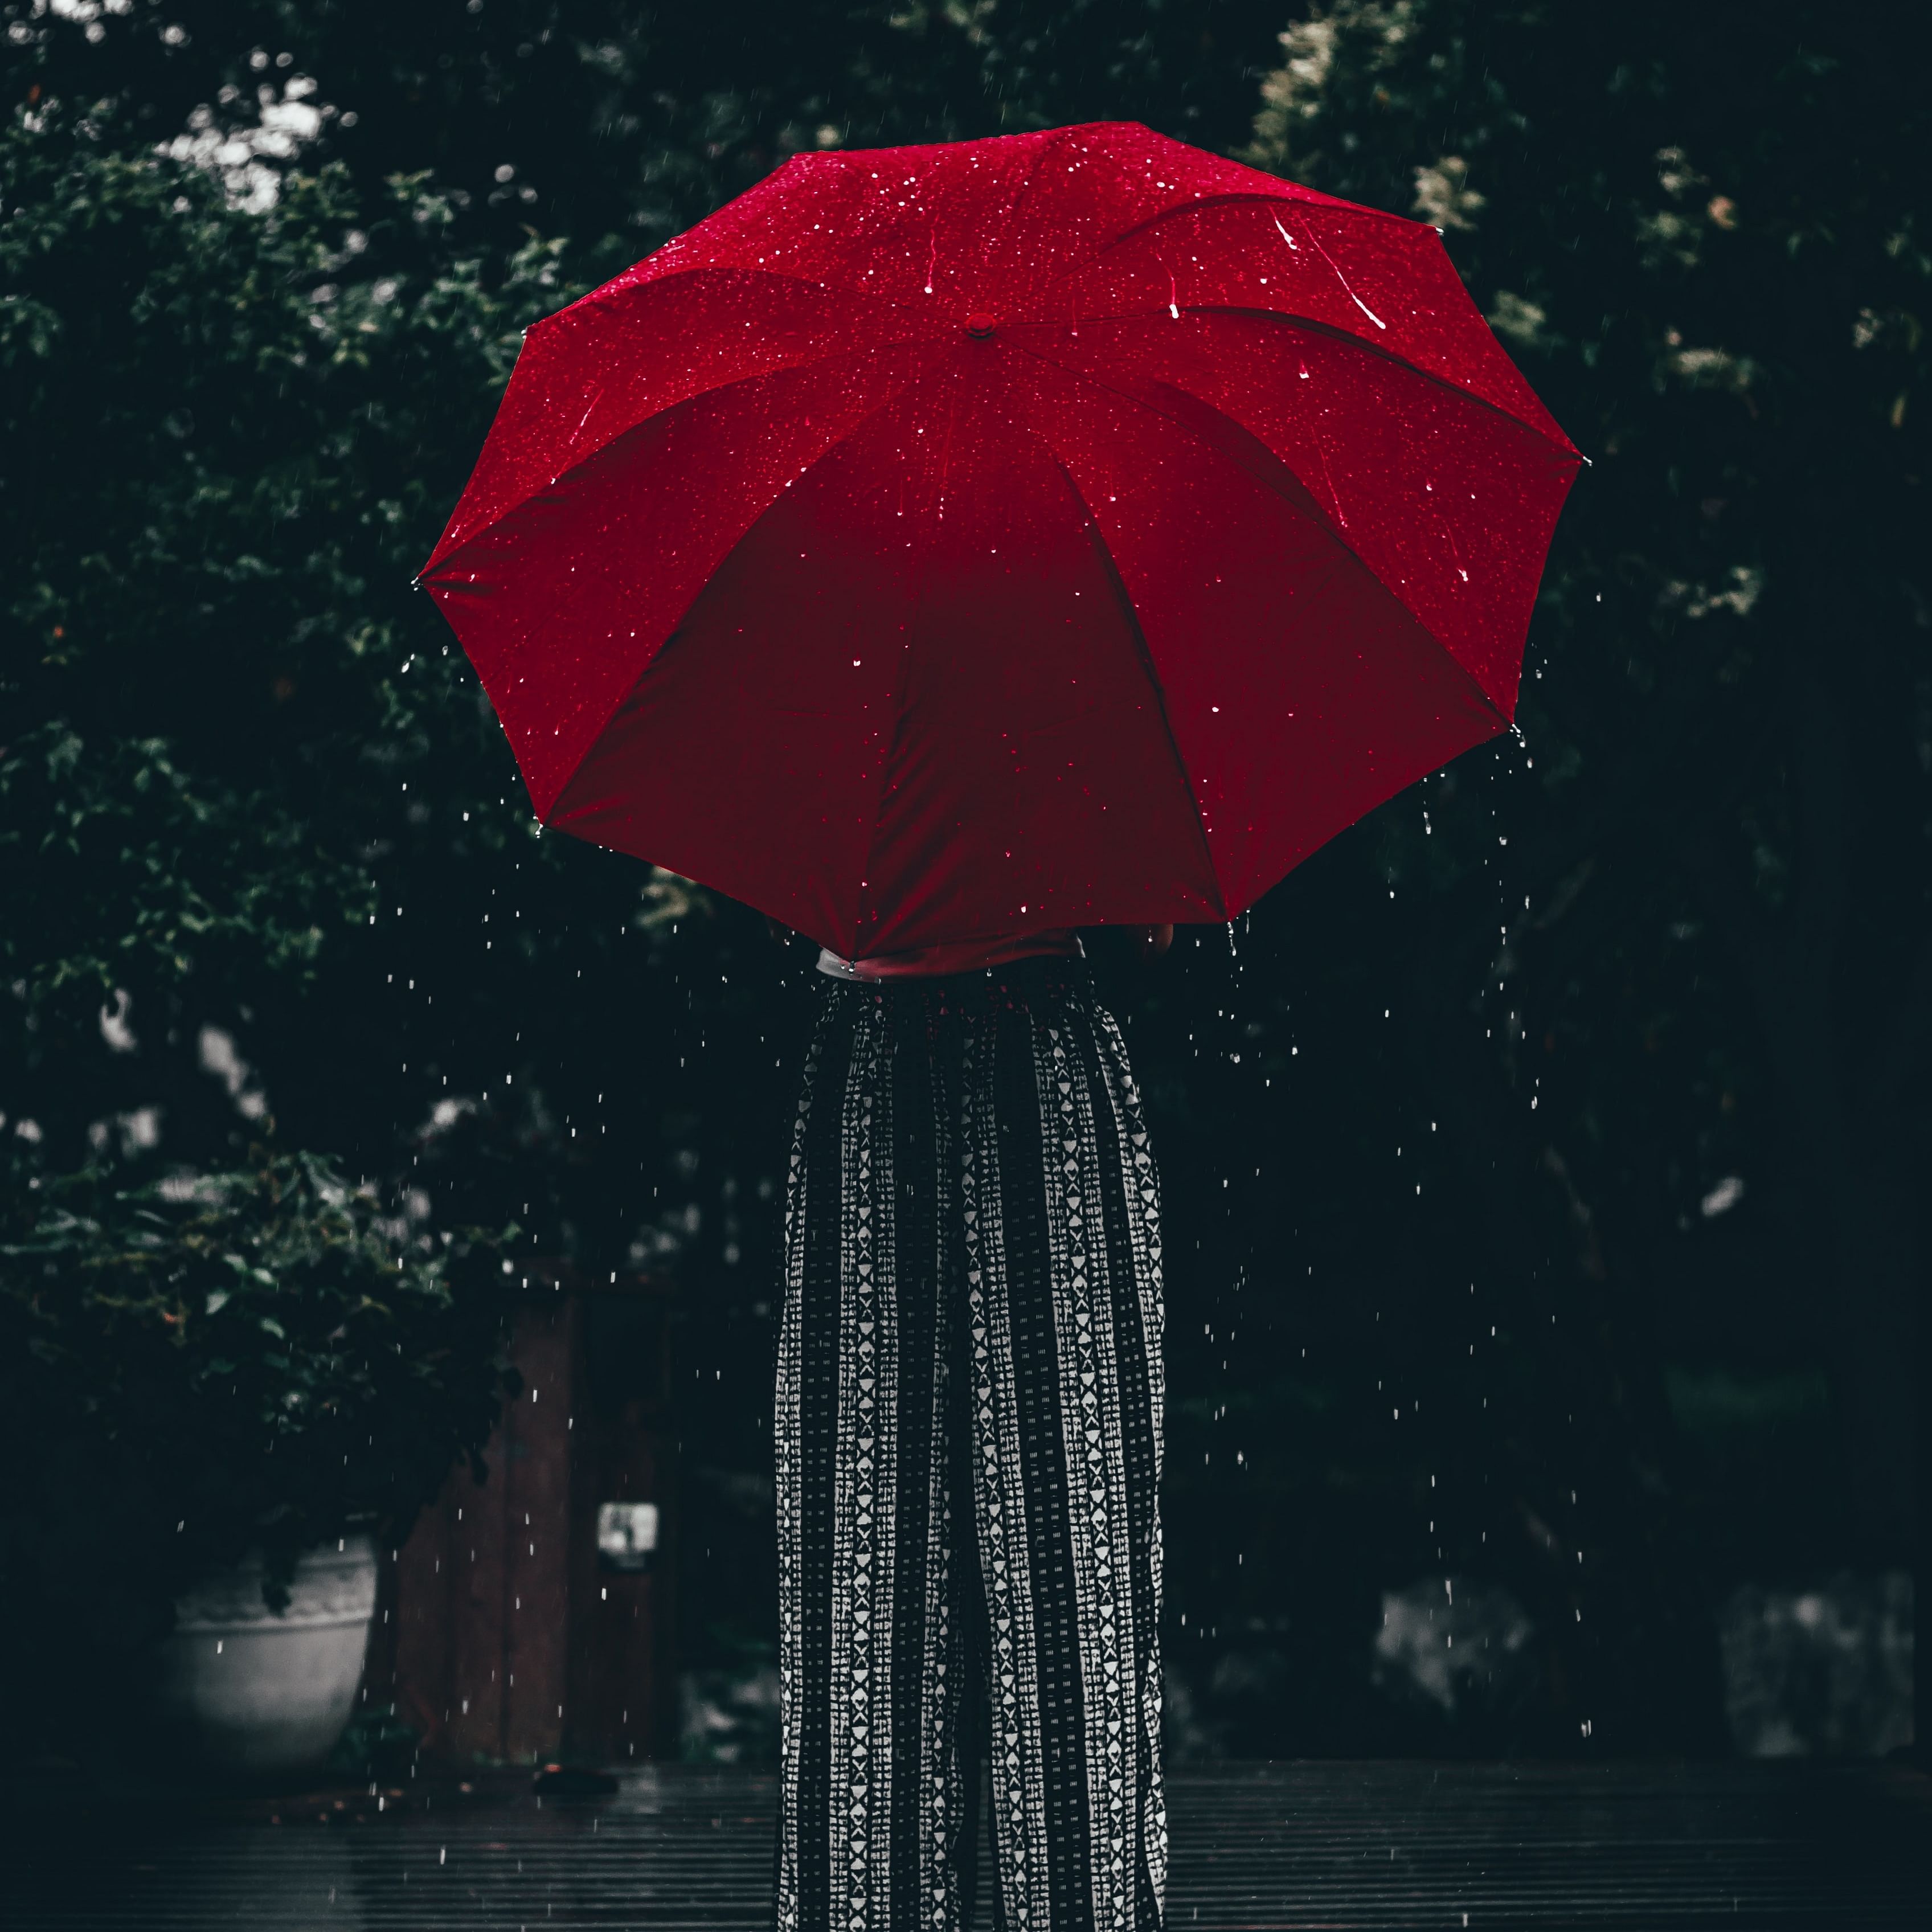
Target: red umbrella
[[942, 542]]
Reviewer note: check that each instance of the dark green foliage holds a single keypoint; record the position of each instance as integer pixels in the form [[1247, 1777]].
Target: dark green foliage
[[228, 414], [259, 1359], [224, 409]]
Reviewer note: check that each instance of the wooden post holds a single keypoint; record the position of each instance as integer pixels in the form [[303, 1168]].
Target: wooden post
[[623, 1682], [513, 1640]]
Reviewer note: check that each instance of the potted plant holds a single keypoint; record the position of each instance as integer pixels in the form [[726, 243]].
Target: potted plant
[[215, 1392]]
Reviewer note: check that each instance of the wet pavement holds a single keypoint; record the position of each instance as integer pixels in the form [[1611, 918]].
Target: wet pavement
[[1385, 1846]]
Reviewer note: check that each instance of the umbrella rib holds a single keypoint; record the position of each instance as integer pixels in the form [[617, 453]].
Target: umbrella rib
[[577, 462], [1324, 522], [1111, 569], [1268, 201], [1197, 207], [1049, 146], [604, 297], [1377, 350], [671, 635], [1290, 319], [1327, 522], [1231, 199], [1327, 525]]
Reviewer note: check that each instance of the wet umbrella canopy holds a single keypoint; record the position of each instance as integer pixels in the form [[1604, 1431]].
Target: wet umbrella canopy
[[1064, 529]]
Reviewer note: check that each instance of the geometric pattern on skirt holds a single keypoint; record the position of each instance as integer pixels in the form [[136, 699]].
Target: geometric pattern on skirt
[[968, 1432]]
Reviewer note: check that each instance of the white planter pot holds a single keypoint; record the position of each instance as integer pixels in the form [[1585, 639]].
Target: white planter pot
[[254, 1694]]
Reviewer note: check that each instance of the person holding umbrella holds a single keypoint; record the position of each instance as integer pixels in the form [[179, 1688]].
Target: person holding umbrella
[[942, 550], [968, 1431]]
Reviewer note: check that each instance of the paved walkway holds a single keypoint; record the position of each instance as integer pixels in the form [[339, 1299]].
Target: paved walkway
[[1268, 1847]]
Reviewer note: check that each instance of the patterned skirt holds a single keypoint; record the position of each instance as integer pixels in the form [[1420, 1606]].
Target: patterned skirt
[[968, 1439]]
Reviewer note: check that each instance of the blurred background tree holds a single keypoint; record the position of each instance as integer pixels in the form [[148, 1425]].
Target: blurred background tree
[[1539, 1158]]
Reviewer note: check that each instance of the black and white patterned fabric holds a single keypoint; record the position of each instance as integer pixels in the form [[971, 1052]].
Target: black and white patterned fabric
[[968, 1437]]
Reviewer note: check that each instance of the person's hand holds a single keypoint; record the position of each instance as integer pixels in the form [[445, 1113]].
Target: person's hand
[[1155, 940]]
